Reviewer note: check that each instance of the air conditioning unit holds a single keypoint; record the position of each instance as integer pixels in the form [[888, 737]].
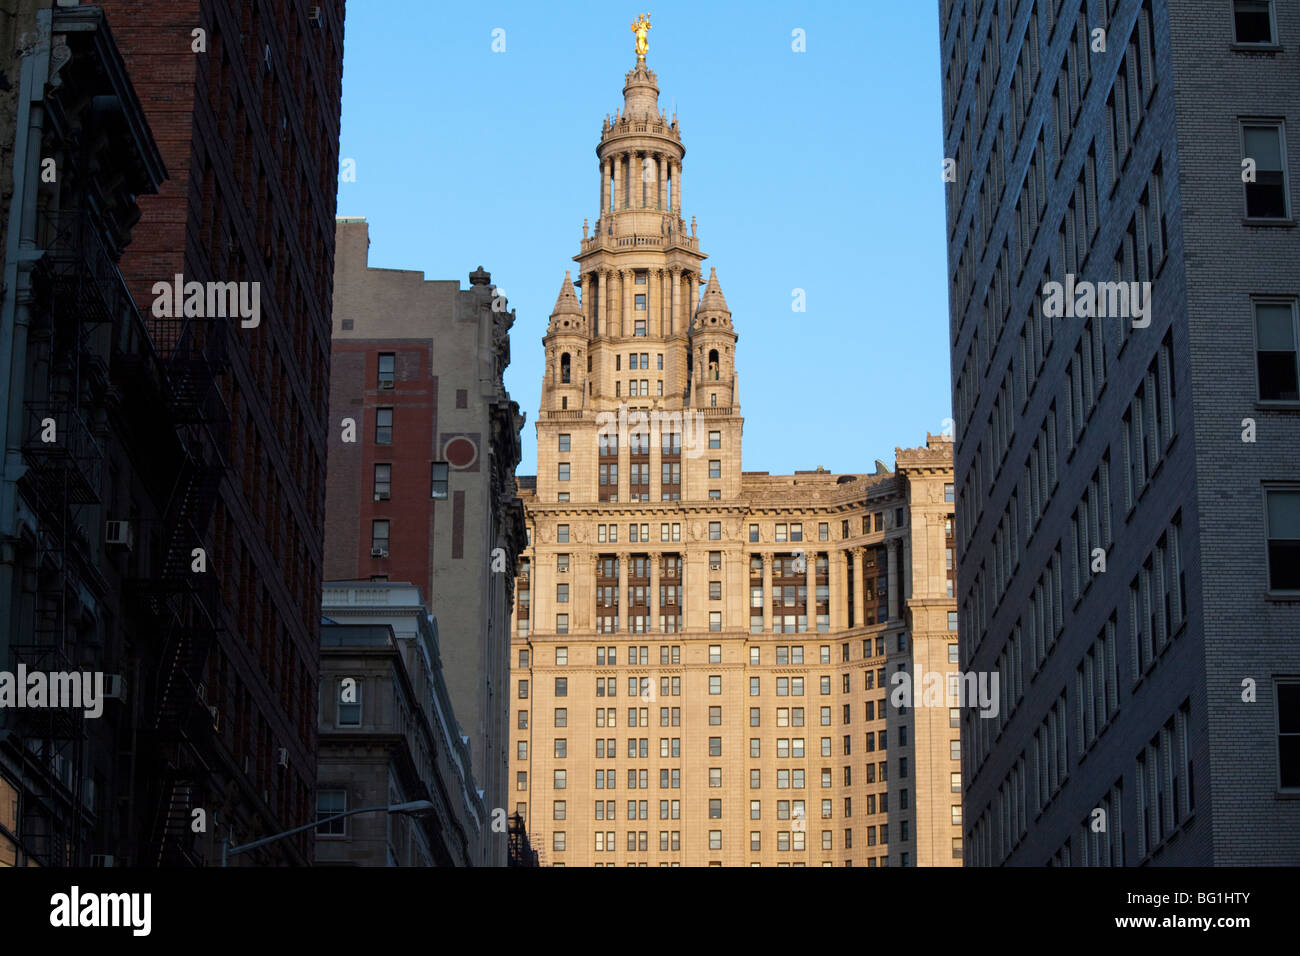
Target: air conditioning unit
[[315, 18], [378, 553], [117, 535], [382, 496], [283, 757], [115, 687], [715, 566], [387, 383], [102, 860]]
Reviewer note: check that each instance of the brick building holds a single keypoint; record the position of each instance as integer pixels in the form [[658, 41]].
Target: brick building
[[423, 489], [88, 417], [244, 100], [702, 655], [1126, 467]]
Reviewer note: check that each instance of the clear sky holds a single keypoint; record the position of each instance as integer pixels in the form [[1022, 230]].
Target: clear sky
[[818, 170]]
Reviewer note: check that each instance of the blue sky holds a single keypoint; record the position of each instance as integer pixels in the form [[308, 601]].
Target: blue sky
[[817, 170]]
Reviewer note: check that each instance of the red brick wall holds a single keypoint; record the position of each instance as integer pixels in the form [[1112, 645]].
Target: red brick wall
[[350, 505]]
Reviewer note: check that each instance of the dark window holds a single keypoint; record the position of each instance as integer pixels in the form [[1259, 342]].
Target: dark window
[[383, 426], [1253, 21], [387, 369], [1276, 352]]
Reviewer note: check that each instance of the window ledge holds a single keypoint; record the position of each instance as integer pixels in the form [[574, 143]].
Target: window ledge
[[1277, 405], [1256, 47], [1262, 223], [1283, 597]]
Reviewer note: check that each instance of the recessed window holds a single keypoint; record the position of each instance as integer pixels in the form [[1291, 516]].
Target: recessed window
[[561, 656], [715, 439], [438, 479], [562, 533], [1288, 734], [948, 494], [387, 369], [563, 471], [1276, 352], [330, 803], [562, 594], [349, 713], [715, 620], [561, 624], [383, 482], [383, 426], [1253, 21], [1265, 197], [1283, 517], [379, 539], [564, 443], [715, 530]]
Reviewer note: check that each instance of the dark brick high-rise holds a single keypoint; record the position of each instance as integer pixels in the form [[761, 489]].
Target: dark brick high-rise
[[249, 132], [1128, 507]]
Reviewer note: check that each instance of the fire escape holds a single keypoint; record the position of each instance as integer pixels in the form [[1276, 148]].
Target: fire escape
[[177, 387], [521, 852]]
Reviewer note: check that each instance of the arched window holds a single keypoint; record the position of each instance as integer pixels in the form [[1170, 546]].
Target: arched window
[[713, 364], [564, 369]]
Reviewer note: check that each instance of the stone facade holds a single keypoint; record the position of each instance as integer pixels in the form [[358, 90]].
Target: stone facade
[[398, 742], [1126, 558], [430, 496], [700, 654]]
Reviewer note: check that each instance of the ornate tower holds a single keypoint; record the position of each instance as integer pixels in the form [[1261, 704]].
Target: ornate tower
[[637, 340]]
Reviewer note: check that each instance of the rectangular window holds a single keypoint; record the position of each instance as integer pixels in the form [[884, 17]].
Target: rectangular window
[[1282, 506], [349, 712], [1253, 21], [564, 443], [438, 479], [1288, 735], [1266, 196], [383, 482], [330, 803], [1275, 351], [383, 426], [387, 369], [379, 539]]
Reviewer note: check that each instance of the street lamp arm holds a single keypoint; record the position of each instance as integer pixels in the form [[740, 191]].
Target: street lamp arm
[[296, 830]]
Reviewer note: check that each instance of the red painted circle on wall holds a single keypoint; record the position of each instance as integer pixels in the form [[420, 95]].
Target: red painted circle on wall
[[460, 452]]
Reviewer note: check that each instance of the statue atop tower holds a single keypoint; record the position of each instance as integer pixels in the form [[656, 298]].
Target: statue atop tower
[[641, 26]]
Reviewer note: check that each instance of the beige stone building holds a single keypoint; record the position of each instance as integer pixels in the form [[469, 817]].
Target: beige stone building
[[701, 655]]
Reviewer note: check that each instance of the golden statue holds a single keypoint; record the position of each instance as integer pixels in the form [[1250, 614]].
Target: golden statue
[[641, 26]]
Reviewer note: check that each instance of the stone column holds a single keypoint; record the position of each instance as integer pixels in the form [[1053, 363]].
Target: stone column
[[892, 551], [767, 592], [616, 177], [633, 177], [605, 172], [606, 302], [663, 178], [625, 318], [602, 305], [859, 590], [674, 288], [836, 576], [677, 187], [810, 603], [624, 624]]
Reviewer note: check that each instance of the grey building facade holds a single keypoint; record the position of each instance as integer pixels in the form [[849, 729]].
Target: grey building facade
[[1127, 456]]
